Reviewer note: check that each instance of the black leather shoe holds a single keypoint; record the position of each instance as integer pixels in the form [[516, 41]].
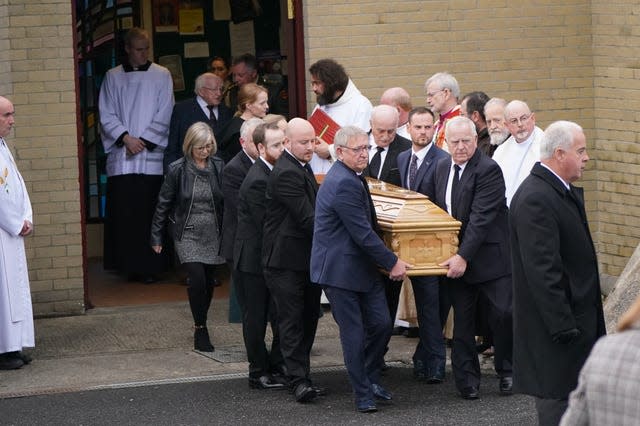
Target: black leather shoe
[[436, 379], [506, 385], [26, 359], [304, 393], [366, 407], [320, 390], [470, 392], [10, 363], [381, 393], [201, 340], [264, 382]]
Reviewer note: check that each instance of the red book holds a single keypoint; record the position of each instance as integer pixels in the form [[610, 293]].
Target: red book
[[324, 125]]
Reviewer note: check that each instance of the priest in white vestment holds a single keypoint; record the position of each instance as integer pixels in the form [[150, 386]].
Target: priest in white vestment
[[16, 222]]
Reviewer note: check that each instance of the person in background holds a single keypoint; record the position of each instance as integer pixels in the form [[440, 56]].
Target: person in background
[[252, 103], [220, 67], [191, 201]]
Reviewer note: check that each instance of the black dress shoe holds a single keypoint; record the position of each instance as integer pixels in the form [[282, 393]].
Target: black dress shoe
[[10, 363], [264, 382], [436, 379], [303, 392], [470, 392], [381, 393], [366, 407], [506, 385], [320, 390], [26, 359]]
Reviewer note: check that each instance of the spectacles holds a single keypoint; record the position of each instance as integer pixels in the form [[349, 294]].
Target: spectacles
[[432, 94], [523, 119], [213, 89], [357, 150], [207, 147]]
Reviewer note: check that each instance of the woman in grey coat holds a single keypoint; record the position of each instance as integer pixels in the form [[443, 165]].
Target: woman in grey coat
[[190, 203]]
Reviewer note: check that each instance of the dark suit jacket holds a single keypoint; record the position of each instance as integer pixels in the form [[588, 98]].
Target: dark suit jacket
[[185, 113], [556, 285], [232, 176], [484, 142], [247, 250], [389, 172], [288, 227], [346, 249], [424, 182], [229, 141], [482, 209]]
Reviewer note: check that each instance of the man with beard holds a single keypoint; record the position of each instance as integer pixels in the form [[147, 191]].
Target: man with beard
[[496, 124], [517, 155], [472, 107], [442, 92], [341, 100]]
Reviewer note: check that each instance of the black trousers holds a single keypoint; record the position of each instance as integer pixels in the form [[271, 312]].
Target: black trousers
[[257, 309], [298, 307], [550, 411], [464, 358], [131, 202]]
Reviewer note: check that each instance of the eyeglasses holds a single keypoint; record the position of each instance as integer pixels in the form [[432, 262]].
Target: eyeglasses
[[523, 119], [202, 148], [357, 150], [214, 89], [432, 94]]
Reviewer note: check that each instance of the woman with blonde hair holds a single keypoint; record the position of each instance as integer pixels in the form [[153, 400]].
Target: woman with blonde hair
[[191, 201], [252, 103]]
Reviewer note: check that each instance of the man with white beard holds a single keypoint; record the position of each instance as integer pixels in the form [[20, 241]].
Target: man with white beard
[[496, 124]]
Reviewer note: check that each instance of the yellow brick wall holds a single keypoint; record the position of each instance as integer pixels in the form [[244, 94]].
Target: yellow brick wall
[[37, 75]]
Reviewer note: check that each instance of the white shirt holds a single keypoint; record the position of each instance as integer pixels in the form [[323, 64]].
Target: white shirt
[[205, 108], [373, 149], [447, 197], [551, 170]]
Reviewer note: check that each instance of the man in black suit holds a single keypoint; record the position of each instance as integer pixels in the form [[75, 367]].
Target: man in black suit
[[286, 250], [557, 303], [384, 146], [206, 106], [417, 168], [253, 296], [471, 188]]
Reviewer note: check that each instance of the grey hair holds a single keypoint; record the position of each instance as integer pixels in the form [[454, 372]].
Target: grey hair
[[248, 127], [559, 134], [347, 133], [445, 81], [495, 101], [201, 81], [458, 121]]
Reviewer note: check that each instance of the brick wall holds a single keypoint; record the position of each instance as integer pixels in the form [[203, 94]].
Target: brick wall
[[37, 75]]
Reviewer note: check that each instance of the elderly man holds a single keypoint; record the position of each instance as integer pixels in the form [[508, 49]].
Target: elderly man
[[517, 155], [252, 292], [417, 169], [471, 188], [442, 91], [400, 99], [472, 107], [244, 69], [286, 251], [341, 100], [136, 100], [206, 106], [385, 145], [345, 258], [496, 124], [557, 301], [16, 222]]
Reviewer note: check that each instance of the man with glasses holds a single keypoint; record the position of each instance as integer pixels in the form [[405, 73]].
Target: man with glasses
[[205, 106], [517, 155], [345, 257], [442, 91]]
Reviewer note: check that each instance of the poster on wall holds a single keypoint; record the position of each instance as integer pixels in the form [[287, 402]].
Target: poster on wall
[[174, 64], [191, 18], [165, 16]]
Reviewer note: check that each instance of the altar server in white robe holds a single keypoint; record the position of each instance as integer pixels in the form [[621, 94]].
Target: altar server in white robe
[[16, 222]]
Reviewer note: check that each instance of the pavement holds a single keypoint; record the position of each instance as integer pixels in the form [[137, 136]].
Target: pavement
[[107, 352]]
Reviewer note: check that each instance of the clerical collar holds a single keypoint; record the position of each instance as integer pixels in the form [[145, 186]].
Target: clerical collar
[[128, 68], [446, 115]]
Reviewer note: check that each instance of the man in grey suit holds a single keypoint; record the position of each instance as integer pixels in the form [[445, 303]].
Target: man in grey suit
[[557, 305]]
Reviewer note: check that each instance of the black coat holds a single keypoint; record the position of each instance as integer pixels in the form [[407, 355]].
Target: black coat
[[556, 285], [247, 249], [233, 174], [288, 228], [175, 199], [184, 114], [390, 172], [482, 209]]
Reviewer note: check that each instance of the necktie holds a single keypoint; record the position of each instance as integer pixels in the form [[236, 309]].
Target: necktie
[[374, 165], [413, 171], [213, 121], [308, 168], [454, 187]]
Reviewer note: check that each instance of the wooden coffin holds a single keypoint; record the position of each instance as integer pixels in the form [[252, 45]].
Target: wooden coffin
[[418, 231]]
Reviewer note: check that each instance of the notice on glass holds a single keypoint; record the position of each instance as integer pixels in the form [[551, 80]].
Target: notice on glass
[[196, 50], [242, 38], [174, 64]]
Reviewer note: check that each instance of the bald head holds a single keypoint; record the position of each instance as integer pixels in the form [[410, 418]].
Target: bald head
[[520, 120], [400, 99], [7, 113], [300, 139], [384, 123]]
